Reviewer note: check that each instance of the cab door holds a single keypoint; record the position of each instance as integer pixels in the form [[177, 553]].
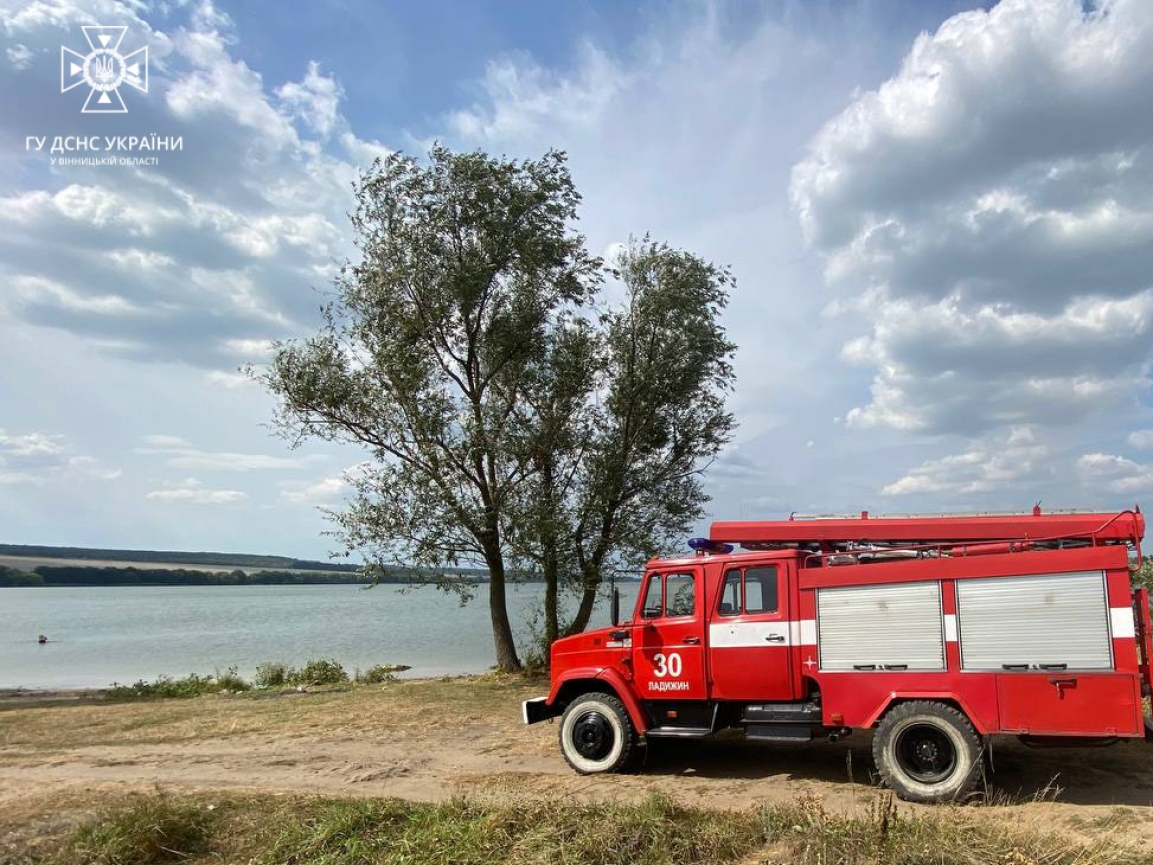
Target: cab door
[[751, 634], [669, 642]]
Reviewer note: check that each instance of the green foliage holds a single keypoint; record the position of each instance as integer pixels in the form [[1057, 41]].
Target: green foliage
[[272, 675], [13, 578], [509, 423], [150, 830], [620, 424], [381, 673], [192, 685], [322, 672], [466, 262], [1143, 576]]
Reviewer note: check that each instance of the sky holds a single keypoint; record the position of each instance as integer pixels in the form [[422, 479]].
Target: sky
[[939, 216]]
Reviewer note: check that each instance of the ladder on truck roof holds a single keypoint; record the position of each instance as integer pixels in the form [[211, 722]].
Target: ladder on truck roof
[[835, 532]]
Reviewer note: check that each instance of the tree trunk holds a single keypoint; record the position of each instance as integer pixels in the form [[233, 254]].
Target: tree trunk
[[585, 610], [551, 590], [506, 657]]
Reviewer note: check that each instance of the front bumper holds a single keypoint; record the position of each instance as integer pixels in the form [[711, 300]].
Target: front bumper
[[537, 709]]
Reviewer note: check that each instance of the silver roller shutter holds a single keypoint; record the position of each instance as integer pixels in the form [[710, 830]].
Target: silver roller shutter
[[896, 625], [1035, 620]]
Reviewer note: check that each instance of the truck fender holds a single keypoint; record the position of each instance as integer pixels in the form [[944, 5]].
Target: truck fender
[[980, 723], [616, 683]]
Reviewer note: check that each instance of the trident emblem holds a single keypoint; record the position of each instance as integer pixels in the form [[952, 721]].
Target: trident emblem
[[104, 69]]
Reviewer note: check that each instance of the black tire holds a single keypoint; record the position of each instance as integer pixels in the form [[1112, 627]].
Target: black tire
[[596, 734], [927, 752]]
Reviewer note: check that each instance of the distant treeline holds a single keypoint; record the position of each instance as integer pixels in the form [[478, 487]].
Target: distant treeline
[[176, 557], [79, 575]]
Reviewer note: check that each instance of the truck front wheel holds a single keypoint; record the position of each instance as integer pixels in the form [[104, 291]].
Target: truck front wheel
[[927, 752], [596, 734]]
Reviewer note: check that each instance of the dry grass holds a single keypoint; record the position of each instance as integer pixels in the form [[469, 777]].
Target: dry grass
[[365, 710], [162, 828]]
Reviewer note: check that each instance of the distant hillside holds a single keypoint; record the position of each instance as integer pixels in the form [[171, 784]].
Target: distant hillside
[[176, 557]]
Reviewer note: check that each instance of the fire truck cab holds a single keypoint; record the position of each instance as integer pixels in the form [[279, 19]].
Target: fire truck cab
[[934, 632]]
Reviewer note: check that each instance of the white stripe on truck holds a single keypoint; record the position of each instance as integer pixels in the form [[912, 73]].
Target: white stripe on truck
[[738, 635]]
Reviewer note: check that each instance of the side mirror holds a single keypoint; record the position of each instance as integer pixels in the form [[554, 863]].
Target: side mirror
[[616, 607]]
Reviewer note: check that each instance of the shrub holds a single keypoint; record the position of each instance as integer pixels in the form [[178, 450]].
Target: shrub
[[192, 685], [230, 680], [272, 675], [322, 672], [381, 673]]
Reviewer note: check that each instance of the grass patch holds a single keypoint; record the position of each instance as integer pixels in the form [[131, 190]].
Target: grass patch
[[657, 832], [150, 830], [882, 835], [188, 686]]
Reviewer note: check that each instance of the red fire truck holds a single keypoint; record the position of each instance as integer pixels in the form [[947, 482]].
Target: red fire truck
[[934, 632]]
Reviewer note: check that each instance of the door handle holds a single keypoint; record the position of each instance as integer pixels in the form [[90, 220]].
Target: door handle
[[692, 641], [775, 638]]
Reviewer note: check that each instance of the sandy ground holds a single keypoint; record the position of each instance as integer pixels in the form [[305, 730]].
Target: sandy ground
[[428, 740]]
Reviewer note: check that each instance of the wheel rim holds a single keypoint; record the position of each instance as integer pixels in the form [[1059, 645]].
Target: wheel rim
[[926, 753], [592, 735]]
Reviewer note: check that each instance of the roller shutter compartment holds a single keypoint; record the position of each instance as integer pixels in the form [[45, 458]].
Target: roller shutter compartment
[[881, 627], [1048, 621]]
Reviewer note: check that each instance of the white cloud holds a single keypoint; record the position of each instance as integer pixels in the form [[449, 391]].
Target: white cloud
[[364, 151], [323, 491], [1142, 438], [228, 380], [31, 444], [983, 467], [167, 441], [89, 468], [315, 99], [993, 201], [181, 454], [192, 492], [20, 56], [37, 458], [1116, 473]]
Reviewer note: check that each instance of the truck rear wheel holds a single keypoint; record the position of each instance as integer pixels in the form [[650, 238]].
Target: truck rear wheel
[[596, 734], [927, 752]]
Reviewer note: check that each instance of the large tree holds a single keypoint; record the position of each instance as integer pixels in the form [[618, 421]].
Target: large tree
[[619, 424], [434, 340]]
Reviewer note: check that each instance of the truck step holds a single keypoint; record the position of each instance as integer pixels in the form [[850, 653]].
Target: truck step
[[783, 713], [677, 732], [779, 732]]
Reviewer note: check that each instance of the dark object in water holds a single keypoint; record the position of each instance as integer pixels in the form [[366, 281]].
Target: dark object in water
[[41, 639]]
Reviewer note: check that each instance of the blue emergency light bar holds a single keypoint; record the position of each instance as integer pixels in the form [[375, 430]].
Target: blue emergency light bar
[[704, 545]]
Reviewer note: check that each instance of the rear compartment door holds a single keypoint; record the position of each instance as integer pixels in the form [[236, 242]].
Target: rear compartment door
[[1069, 704]]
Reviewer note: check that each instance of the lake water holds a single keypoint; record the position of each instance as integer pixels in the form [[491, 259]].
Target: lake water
[[101, 635]]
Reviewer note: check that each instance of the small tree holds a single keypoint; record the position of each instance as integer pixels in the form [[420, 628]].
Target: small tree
[[619, 425], [435, 339]]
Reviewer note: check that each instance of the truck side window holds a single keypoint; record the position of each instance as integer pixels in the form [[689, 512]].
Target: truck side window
[[731, 594], [653, 600], [761, 590], [680, 600]]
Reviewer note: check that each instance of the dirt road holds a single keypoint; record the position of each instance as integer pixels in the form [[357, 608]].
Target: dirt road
[[429, 740]]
